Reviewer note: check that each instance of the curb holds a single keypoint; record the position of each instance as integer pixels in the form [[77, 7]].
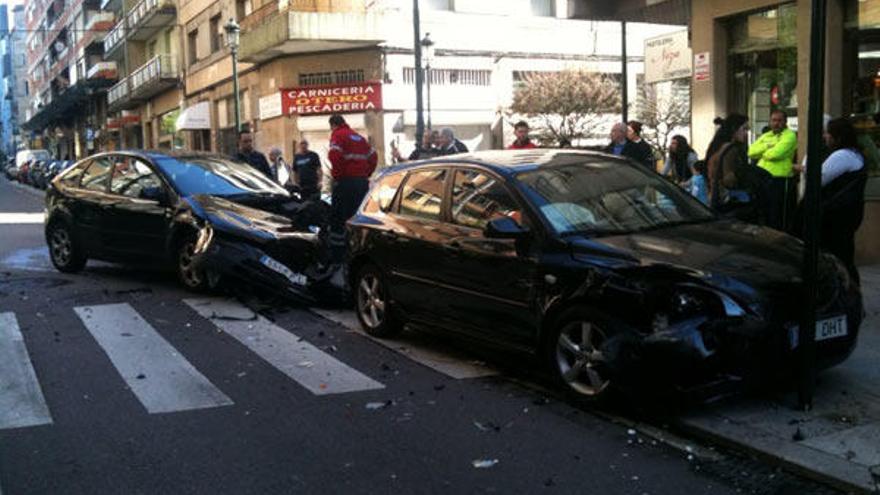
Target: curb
[[813, 464], [30, 190]]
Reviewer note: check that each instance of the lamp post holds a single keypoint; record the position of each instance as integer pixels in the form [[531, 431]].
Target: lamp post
[[417, 47], [428, 56], [232, 31]]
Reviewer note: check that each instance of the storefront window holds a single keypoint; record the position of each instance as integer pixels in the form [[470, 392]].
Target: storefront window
[[168, 137], [763, 65], [862, 48]]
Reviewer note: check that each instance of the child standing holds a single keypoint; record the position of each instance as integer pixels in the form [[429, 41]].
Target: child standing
[[697, 184]]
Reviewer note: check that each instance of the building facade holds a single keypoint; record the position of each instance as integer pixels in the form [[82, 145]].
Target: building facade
[[348, 45], [754, 58], [67, 75], [19, 77], [6, 83]]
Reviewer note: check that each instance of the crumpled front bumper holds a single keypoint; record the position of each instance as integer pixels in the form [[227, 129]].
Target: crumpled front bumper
[[250, 264]]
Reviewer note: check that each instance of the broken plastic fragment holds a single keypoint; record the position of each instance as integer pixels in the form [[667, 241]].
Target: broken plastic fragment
[[484, 463], [305, 364], [374, 406]]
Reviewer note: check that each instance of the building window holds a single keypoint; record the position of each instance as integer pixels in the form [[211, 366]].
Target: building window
[[192, 46], [543, 8], [450, 77], [215, 33], [337, 77], [243, 8], [861, 66], [436, 4], [762, 60]]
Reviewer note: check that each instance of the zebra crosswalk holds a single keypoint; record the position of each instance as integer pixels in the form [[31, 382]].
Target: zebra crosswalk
[[164, 380]]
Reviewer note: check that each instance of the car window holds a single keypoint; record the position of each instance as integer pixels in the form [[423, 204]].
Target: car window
[[131, 176], [422, 194], [97, 175], [72, 176], [382, 193], [478, 198]]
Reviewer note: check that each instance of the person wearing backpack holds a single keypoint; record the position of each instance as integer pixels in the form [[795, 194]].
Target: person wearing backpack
[[736, 187]]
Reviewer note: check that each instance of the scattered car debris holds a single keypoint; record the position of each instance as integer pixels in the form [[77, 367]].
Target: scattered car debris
[[484, 463], [375, 406]]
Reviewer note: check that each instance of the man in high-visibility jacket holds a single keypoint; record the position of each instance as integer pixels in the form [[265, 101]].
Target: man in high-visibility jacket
[[775, 153], [353, 161]]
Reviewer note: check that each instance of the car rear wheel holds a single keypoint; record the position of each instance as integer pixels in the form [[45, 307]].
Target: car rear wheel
[[191, 276], [373, 310], [64, 250], [574, 353]]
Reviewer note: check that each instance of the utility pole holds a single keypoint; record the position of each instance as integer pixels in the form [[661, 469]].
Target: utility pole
[[417, 44], [807, 333], [624, 73]]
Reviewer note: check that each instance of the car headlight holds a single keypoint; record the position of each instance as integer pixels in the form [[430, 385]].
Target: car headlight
[[690, 300]]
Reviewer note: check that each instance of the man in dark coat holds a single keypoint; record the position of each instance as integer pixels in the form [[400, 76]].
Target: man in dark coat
[[621, 146], [247, 153]]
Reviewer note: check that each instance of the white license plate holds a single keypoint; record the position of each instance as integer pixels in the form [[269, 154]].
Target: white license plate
[[828, 328], [295, 278], [831, 328]]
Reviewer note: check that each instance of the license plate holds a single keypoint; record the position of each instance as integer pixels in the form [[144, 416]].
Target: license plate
[[275, 265], [829, 328]]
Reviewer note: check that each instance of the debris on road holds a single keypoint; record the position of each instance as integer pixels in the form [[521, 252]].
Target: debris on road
[[375, 406], [488, 426], [484, 463]]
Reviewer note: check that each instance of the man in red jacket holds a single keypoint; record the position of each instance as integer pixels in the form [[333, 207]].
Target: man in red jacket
[[522, 142], [353, 161]]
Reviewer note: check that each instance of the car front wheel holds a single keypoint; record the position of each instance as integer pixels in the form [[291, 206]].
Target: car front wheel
[[191, 276], [574, 352], [64, 249], [373, 310]]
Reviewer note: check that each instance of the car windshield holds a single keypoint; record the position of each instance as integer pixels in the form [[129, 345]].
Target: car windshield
[[218, 177], [596, 196]]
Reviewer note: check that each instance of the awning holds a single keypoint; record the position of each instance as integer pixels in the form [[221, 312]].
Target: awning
[[195, 118]]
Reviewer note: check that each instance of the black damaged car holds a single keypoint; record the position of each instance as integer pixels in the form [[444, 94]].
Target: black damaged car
[[614, 276], [204, 215]]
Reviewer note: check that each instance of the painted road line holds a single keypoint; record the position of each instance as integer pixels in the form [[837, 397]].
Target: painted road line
[[21, 399], [21, 218], [309, 366], [163, 380], [447, 361]]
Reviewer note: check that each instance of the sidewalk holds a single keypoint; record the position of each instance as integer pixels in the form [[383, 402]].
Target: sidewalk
[[839, 441]]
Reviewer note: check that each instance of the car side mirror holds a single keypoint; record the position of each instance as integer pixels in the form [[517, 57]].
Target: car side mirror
[[156, 193], [504, 228]]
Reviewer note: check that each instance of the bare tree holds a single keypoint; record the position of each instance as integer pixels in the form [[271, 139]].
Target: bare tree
[[661, 113], [566, 106]]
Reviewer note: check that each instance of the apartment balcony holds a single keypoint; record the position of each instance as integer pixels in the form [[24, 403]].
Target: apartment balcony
[[112, 5], [103, 71], [98, 26], [149, 17], [158, 75], [114, 40], [293, 31], [118, 95]]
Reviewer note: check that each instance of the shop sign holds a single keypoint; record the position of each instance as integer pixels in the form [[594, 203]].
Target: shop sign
[[667, 57], [342, 98], [702, 67], [270, 106]]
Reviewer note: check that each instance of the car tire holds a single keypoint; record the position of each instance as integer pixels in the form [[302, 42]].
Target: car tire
[[191, 277], [572, 351], [65, 251], [372, 306]]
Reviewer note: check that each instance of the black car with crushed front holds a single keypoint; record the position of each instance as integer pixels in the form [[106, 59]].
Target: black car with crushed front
[[609, 272], [205, 215]]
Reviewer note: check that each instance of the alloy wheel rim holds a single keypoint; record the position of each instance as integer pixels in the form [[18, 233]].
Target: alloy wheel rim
[[578, 358], [61, 247], [190, 275], [371, 304]]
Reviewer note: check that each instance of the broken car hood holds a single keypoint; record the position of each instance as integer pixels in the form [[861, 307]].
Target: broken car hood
[[228, 216], [735, 257]]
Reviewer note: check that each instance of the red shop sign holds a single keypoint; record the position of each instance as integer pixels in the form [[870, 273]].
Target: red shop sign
[[337, 98]]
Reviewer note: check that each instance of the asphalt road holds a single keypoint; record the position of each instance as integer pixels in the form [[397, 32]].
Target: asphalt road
[[117, 381]]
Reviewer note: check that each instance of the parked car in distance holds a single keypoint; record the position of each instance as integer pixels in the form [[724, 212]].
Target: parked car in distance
[[201, 214], [613, 276]]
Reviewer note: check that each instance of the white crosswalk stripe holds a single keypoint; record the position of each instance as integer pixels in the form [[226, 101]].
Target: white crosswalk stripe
[[448, 362], [162, 379], [317, 371], [21, 399]]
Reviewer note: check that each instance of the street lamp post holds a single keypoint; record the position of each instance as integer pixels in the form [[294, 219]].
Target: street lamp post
[[417, 47], [232, 32], [428, 56]]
